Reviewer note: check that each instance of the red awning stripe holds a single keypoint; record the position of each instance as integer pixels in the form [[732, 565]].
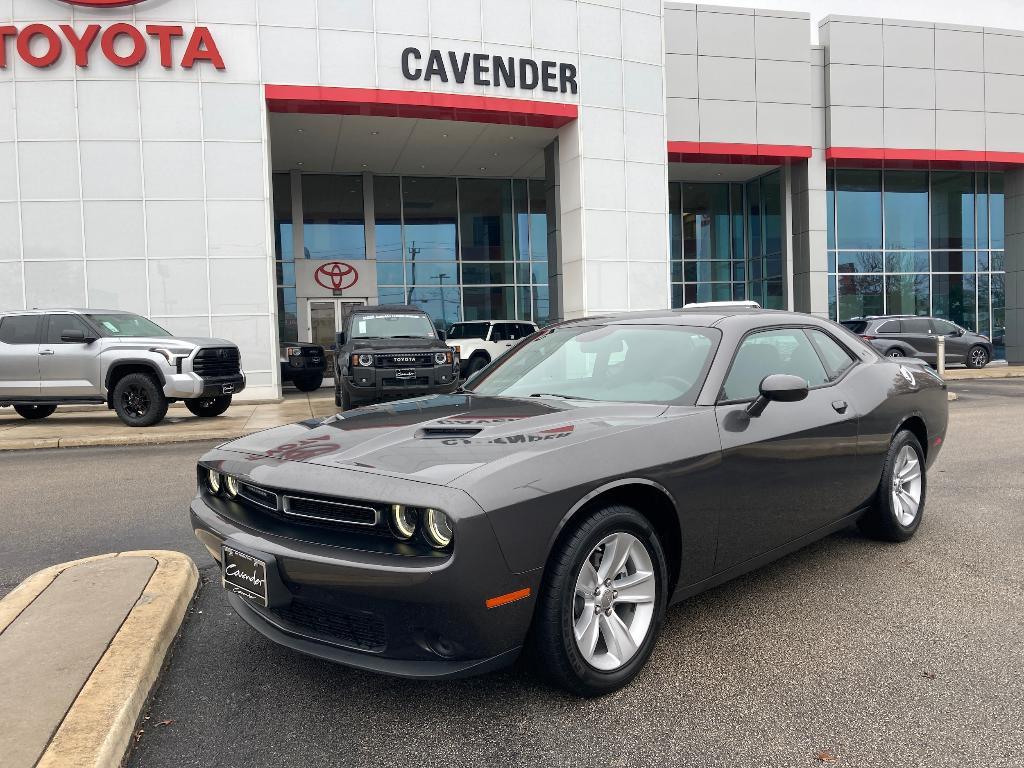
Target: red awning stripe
[[893, 154], [312, 99], [746, 154]]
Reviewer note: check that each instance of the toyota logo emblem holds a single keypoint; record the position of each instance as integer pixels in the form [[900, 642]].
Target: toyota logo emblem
[[336, 276]]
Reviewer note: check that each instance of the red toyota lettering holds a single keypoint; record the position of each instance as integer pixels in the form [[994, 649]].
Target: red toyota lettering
[[25, 45], [5, 32], [165, 35], [201, 47], [81, 45], [109, 43]]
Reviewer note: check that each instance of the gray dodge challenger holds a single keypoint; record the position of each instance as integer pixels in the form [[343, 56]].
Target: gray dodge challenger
[[559, 501]]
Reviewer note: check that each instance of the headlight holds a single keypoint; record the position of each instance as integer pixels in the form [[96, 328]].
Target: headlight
[[438, 529], [213, 481], [294, 351], [171, 355], [442, 357], [403, 521], [365, 361], [231, 486]]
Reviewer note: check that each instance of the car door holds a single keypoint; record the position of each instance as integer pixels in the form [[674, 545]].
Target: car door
[[956, 341], [793, 469], [917, 333], [498, 341], [19, 357], [67, 369]]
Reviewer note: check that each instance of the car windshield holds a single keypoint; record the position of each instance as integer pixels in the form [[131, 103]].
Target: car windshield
[[122, 324], [609, 363], [468, 331], [392, 326]]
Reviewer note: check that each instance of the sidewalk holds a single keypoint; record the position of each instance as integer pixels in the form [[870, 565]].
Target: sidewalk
[[81, 646], [993, 371], [83, 426]]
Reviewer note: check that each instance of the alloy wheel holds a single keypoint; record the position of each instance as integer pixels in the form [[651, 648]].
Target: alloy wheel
[[906, 486], [895, 353], [136, 401], [613, 607], [979, 357]]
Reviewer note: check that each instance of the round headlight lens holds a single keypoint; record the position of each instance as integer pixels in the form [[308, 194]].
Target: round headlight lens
[[213, 481], [366, 360], [231, 486], [438, 529], [403, 521], [440, 358]]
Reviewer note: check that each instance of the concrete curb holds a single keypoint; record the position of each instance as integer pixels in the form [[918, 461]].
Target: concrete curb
[[31, 444], [97, 730]]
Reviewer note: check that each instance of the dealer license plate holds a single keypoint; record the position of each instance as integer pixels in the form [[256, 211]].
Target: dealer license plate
[[244, 575], [227, 389]]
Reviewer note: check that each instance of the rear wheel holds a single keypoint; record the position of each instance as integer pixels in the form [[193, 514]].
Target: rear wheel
[[309, 383], [475, 364], [138, 400], [895, 352], [346, 400], [35, 412], [899, 504], [977, 357], [602, 603], [209, 407]]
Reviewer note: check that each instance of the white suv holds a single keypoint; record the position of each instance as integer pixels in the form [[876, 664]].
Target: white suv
[[478, 343]]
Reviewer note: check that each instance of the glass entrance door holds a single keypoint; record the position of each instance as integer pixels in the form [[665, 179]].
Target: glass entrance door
[[325, 318]]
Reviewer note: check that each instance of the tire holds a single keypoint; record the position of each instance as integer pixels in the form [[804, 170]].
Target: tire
[[346, 401], [338, 402], [138, 400], [309, 383], [895, 352], [35, 412], [476, 364], [209, 407], [560, 608], [889, 519], [977, 357]]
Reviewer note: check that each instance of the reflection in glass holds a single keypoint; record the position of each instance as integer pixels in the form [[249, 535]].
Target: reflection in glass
[[706, 229], [953, 210], [907, 295], [906, 210], [907, 261], [486, 219], [859, 261], [430, 209], [996, 212], [955, 297], [859, 208], [860, 296], [387, 216], [953, 261], [488, 303], [333, 224]]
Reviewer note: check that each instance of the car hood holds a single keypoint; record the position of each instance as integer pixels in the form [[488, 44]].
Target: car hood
[[171, 341], [441, 438]]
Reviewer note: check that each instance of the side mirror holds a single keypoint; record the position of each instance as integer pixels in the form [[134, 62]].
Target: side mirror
[[75, 337], [339, 337], [778, 388]]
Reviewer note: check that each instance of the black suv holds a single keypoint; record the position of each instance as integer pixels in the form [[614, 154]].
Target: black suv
[[303, 365], [912, 336], [391, 352]]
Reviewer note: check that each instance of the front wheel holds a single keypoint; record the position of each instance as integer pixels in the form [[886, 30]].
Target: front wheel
[[895, 353], [977, 357], [35, 412], [475, 364], [602, 603], [138, 400], [209, 407], [898, 508]]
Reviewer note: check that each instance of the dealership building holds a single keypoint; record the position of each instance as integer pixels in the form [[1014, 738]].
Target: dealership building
[[252, 169]]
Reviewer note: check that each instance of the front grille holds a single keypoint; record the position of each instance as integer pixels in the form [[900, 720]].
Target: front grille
[[399, 360], [323, 511], [355, 629], [415, 381], [258, 496], [215, 362]]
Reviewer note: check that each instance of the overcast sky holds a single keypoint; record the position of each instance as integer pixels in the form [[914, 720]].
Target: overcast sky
[[979, 13]]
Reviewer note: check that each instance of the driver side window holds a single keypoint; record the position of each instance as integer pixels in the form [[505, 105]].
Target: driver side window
[[783, 350]]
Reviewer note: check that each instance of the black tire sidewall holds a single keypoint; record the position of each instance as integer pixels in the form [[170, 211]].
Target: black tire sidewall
[[308, 383], [35, 412], [476, 364], [970, 353], [158, 403], [572, 671], [884, 523], [220, 405]]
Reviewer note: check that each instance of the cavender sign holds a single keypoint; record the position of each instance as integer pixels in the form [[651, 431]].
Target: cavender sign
[[484, 69]]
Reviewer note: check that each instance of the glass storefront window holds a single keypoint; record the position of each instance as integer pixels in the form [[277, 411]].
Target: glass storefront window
[[906, 261], [333, 223], [486, 219], [955, 297], [860, 296], [858, 209], [953, 210], [431, 214], [387, 215], [996, 203], [284, 266], [706, 226], [906, 210], [859, 261], [907, 294]]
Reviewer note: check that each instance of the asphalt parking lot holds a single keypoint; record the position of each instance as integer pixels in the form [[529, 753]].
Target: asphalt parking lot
[[871, 654]]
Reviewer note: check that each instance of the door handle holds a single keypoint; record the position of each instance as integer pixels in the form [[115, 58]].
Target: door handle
[[47, 352], [840, 406]]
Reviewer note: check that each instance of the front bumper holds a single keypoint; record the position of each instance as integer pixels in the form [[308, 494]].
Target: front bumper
[[188, 386], [400, 615], [366, 384]]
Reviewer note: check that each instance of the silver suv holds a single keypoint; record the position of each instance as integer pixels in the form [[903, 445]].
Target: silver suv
[[75, 356]]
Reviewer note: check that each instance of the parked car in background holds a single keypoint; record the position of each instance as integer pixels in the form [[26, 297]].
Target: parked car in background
[[131, 364], [303, 365], [480, 342], [594, 475], [915, 336], [389, 353]]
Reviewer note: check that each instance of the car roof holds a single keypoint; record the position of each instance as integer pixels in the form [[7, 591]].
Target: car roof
[[392, 308], [66, 310], [701, 317]]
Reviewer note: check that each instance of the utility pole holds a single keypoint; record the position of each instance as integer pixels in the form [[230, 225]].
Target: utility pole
[[444, 313], [413, 253]]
